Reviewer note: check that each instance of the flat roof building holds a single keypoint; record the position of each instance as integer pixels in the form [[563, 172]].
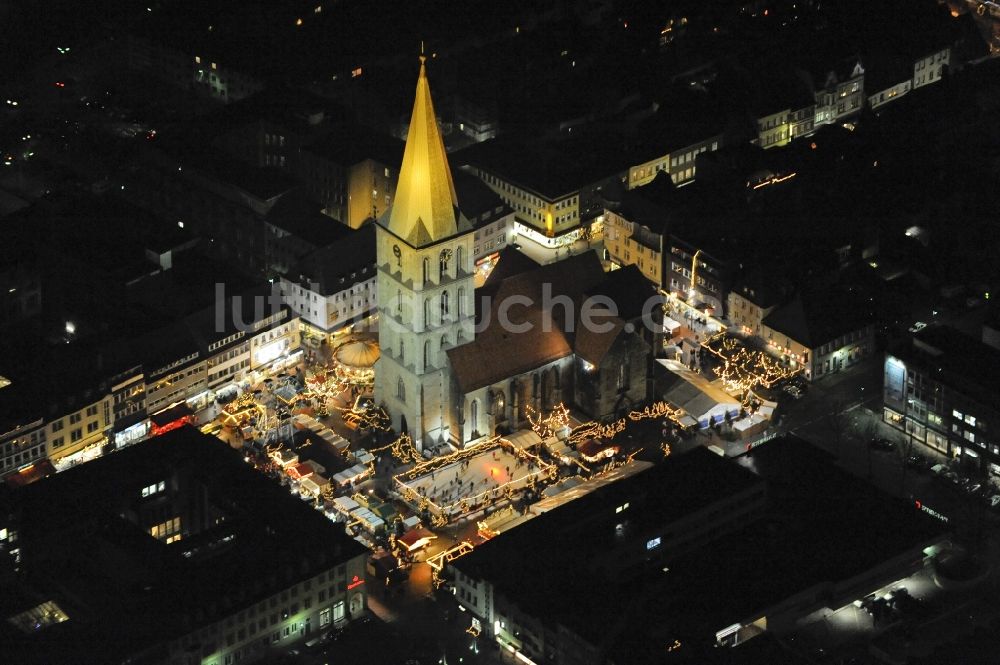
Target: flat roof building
[[172, 551], [940, 389], [693, 554]]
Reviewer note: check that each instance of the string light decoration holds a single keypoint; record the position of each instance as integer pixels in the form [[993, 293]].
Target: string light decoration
[[546, 426], [743, 369], [438, 561], [595, 430], [665, 447], [402, 448], [658, 410], [484, 498]]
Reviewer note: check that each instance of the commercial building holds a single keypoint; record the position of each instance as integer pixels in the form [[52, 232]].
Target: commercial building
[[940, 390], [492, 218], [176, 552], [352, 172], [558, 187], [335, 287], [821, 330], [690, 556], [22, 427], [648, 230], [550, 203], [748, 305], [238, 338], [182, 69], [476, 119]]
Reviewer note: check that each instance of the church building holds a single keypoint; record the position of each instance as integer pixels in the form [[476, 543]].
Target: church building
[[445, 379]]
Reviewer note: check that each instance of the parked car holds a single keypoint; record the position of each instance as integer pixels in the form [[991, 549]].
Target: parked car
[[792, 390], [939, 469], [878, 443], [953, 477], [916, 462]]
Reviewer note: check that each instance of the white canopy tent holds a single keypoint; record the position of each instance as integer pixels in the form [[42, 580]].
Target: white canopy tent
[[702, 401]]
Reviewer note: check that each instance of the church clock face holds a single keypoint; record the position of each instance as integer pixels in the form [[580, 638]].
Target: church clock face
[[397, 253], [445, 255]]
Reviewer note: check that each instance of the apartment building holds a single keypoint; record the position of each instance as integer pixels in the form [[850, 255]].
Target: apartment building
[[334, 288], [939, 390]]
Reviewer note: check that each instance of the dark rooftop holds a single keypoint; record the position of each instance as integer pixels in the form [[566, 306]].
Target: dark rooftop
[[821, 525], [514, 562], [343, 263], [630, 292], [476, 199], [266, 541], [649, 205], [818, 316], [298, 214], [350, 144], [957, 359]]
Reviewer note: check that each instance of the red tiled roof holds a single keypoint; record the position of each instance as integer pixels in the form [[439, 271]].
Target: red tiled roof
[[300, 470]]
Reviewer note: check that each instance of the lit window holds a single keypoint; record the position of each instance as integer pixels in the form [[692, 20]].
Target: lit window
[[155, 488], [197, 59]]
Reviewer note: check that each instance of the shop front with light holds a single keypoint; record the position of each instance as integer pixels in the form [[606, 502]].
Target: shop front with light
[[173, 417], [91, 452], [277, 365], [314, 336], [132, 434], [552, 242], [201, 400], [485, 265], [270, 352]]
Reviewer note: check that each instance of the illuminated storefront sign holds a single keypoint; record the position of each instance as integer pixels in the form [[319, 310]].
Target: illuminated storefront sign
[[355, 583], [271, 351], [931, 512]]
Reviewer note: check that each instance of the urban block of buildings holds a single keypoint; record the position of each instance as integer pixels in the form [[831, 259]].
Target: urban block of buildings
[[685, 560], [173, 551]]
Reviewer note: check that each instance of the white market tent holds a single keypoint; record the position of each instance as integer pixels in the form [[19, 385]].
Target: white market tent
[[744, 424], [525, 439], [669, 325], [557, 449], [350, 475], [338, 442], [314, 484], [345, 504], [369, 520], [316, 466], [703, 401], [363, 456]]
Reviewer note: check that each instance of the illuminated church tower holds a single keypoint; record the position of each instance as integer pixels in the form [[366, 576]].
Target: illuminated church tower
[[425, 282]]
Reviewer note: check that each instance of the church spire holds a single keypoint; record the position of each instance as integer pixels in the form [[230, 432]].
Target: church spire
[[424, 210]]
